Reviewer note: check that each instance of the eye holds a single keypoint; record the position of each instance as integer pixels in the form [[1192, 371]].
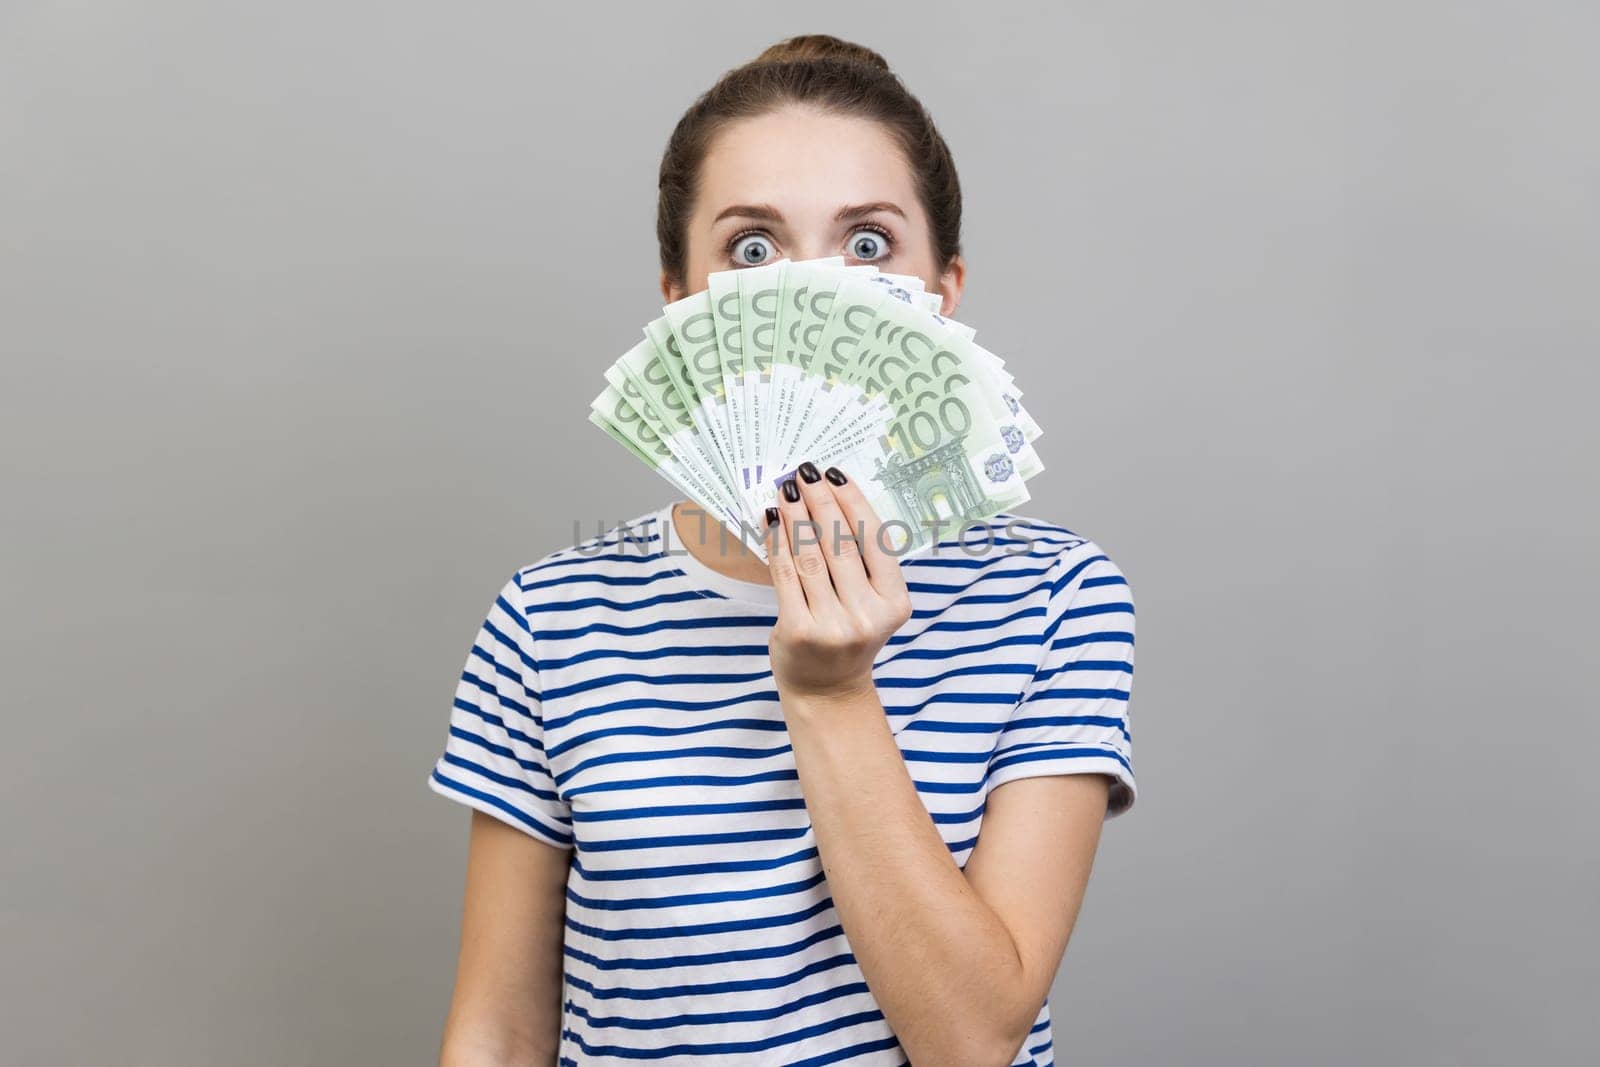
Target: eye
[[869, 243], [750, 248]]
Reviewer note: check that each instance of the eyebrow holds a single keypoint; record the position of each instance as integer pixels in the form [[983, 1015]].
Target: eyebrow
[[768, 213]]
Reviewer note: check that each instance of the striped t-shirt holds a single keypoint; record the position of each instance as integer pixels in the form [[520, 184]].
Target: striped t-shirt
[[618, 702]]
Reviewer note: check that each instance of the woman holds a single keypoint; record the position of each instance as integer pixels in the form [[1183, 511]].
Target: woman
[[841, 808]]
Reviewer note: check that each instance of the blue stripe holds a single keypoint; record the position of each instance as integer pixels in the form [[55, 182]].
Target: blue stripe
[[774, 725], [613, 580], [664, 652], [1060, 752], [716, 1018], [607, 680], [682, 900], [707, 989], [720, 623]]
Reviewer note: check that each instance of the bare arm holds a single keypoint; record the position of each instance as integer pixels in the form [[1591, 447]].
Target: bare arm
[[506, 1009], [959, 963]]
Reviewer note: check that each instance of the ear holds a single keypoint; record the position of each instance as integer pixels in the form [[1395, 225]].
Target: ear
[[669, 292], [952, 283]]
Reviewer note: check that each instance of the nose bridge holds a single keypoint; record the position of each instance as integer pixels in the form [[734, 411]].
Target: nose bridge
[[809, 246], [810, 237]]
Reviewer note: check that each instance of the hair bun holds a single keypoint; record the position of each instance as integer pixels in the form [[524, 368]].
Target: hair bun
[[820, 46]]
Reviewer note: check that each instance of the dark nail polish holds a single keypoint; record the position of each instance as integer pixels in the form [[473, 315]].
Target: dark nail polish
[[772, 516], [791, 491], [808, 471], [835, 475]]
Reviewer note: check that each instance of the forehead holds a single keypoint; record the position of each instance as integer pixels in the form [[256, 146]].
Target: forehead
[[804, 161]]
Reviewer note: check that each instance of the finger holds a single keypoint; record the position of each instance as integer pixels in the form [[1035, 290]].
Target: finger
[[882, 567], [785, 579], [804, 536], [838, 536]]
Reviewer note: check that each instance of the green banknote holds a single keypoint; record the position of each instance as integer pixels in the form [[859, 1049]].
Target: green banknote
[[841, 364]]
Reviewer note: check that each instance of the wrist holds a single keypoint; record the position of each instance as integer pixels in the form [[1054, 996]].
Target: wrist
[[841, 696]]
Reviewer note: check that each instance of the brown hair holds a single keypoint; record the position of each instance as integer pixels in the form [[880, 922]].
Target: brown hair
[[823, 71]]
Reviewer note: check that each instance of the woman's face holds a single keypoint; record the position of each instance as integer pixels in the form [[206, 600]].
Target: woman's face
[[803, 184]]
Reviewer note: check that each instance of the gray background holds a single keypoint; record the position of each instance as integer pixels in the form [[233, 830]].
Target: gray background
[[302, 305]]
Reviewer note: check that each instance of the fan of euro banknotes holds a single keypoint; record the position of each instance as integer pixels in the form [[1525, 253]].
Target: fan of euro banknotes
[[732, 388]]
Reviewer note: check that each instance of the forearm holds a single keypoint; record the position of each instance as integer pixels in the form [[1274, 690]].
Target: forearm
[[942, 966], [463, 1049], [489, 1032]]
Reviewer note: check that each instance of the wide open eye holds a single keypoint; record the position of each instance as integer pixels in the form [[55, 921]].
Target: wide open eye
[[750, 249], [868, 243]]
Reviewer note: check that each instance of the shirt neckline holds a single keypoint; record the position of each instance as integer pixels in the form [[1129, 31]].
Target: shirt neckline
[[702, 576]]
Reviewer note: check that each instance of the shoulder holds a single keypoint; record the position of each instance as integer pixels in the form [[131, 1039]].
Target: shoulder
[[1052, 548], [1075, 557], [1013, 570], [603, 551]]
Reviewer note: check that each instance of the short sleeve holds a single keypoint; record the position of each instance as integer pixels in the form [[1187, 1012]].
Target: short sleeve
[[1073, 714], [494, 756]]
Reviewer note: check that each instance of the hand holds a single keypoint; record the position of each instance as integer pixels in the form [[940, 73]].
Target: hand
[[840, 593]]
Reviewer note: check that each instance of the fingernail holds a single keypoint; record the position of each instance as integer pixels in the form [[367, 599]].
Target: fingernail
[[835, 475], [772, 516], [791, 491], [808, 471]]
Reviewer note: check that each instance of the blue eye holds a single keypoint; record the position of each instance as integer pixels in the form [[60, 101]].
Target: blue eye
[[869, 243], [750, 249]]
